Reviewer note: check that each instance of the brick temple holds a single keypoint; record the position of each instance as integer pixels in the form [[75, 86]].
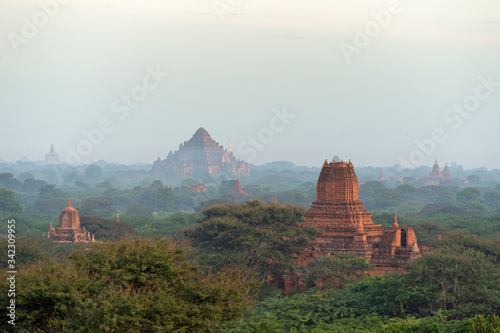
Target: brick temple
[[68, 230], [199, 157], [347, 227]]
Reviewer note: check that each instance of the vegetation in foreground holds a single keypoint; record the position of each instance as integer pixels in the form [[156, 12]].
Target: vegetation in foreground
[[133, 285], [213, 281]]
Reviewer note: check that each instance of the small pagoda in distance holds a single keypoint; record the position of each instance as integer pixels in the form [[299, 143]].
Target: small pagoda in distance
[[52, 157], [237, 189]]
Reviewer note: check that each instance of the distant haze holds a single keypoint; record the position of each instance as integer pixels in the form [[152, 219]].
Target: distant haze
[[236, 73]]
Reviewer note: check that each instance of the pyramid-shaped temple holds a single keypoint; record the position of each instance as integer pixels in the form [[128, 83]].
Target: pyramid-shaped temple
[[200, 156]]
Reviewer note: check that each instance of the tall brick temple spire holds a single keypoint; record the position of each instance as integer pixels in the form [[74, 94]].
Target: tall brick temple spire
[[347, 227], [338, 212]]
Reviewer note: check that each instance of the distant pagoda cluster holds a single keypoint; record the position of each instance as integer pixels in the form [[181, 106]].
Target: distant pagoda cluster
[[436, 177], [199, 157]]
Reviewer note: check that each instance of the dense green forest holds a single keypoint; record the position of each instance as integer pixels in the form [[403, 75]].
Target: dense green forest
[[187, 261], [217, 278]]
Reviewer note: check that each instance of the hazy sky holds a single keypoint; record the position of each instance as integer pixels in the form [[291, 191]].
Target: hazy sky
[[284, 80]]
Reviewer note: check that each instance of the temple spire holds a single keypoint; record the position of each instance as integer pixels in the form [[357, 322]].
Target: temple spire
[[229, 148], [117, 218], [395, 223], [69, 202]]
